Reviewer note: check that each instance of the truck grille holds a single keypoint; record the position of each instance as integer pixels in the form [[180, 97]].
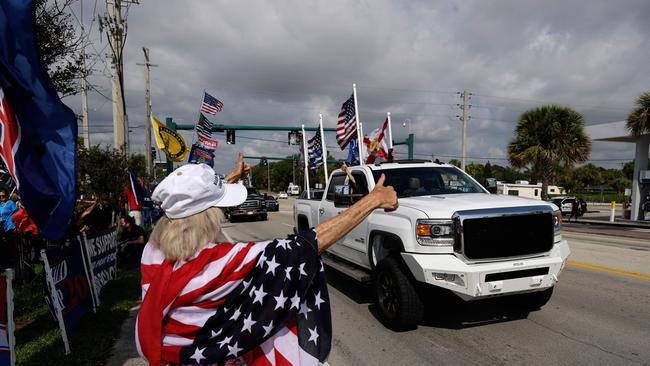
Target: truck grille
[[249, 205], [506, 232]]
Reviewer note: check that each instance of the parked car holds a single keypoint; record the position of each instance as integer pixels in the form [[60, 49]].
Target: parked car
[[271, 203], [254, 207], [283, 195], [565, 204], [448, 232]]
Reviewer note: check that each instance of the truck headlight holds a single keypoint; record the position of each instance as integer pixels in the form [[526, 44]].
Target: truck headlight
[[557, 221], [557, 226], [434, 232]]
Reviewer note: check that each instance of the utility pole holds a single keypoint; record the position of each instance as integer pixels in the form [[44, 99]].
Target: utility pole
[[116, 35], [268, 177], [85, 133], [147, 97], [466, 96], [84, 98]]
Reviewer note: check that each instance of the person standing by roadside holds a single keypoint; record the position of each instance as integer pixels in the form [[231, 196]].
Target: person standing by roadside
[[7, 210], [132, 241], [575, 209]]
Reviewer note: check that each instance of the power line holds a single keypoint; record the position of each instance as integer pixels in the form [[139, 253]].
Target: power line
[[552, 102]]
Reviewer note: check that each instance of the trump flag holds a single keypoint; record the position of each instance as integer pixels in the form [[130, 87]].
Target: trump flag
[[38, 132]]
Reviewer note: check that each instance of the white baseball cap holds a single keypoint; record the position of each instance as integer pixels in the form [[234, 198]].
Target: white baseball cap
[[194, 188]]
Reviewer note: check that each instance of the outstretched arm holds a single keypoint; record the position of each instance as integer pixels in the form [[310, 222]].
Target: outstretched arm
[[330, 231]]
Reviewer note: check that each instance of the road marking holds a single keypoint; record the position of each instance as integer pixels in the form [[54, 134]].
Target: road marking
[[228, 238], [286, 224], [620, 272]]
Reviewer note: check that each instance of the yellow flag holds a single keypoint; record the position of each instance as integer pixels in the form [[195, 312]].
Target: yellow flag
[[169, 141]]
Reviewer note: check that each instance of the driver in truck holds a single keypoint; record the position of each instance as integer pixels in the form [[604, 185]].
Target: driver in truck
[[206, 302]]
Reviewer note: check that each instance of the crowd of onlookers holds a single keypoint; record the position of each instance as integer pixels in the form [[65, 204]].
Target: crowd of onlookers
[[21, 243]]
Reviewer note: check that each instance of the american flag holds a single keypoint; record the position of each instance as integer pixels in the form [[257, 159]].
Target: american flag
[[211, 105], [315, 151], [346, 128], [265, 303], [204, 132], [204, 126]]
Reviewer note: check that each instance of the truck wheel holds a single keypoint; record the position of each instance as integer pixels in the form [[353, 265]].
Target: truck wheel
[[534, 300], [399, 305]]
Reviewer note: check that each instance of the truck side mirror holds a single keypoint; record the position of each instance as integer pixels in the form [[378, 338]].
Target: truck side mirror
[[491, 185], [346, 200]]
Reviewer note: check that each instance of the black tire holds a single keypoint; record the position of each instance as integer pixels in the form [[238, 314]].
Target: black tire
[[533, 300], [398, 304]]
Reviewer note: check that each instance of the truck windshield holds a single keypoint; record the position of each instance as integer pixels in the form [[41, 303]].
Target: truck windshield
[[252, 191], [411, 182]]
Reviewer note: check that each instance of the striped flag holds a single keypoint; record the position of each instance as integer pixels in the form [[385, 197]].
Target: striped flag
[[265, 303], [346, 128], [315, 151], [211, 105], [204, 132], [376, 143]]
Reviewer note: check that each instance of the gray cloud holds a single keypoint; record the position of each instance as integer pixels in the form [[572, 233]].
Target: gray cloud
[[283, 62]]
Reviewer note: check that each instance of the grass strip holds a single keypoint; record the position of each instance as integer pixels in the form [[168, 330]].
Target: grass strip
[[38, 340]]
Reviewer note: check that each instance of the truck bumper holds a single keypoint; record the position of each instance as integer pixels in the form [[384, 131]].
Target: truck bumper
[[481, 280]]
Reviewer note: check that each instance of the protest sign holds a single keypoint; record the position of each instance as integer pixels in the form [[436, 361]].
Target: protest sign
[[68, 290], [7, 339], [101, 253]]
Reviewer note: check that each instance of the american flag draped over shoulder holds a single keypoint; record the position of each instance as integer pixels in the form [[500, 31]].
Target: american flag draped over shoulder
[[346, 128], [211, 105], [315, 151], [265, 303]]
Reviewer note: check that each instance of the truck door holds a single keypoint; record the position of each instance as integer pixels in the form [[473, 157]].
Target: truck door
[[327, 209], [356, 239]]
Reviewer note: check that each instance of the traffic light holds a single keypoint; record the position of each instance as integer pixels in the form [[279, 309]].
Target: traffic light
[[263, 162], [294, 138], [230, 137], [296, 163], [153, 154]]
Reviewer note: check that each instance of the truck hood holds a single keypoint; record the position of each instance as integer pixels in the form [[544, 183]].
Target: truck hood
[[444, 206]]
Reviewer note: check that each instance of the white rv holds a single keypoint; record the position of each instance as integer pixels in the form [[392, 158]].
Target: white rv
[[523, 188]]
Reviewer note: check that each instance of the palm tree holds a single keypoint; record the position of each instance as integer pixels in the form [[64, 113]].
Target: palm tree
[[638, 122], [546, 138]]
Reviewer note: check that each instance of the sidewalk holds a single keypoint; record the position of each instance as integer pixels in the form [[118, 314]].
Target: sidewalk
[[124, 352]]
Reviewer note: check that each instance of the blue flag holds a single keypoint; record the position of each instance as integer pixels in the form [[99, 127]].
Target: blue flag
[[38, 131], [353, 152]]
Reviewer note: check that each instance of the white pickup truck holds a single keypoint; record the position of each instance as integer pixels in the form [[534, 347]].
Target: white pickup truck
[[448, 232]]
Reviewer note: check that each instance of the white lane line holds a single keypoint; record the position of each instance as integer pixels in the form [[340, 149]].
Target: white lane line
[[228, 238], [286, 224]]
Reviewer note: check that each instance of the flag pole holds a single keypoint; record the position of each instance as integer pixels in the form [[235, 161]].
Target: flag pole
[[323, 147], [356, 113], [362, 143], [304, 151], [390, 131]]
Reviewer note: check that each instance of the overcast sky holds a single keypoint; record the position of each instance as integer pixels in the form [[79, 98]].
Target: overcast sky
[[284, 62]]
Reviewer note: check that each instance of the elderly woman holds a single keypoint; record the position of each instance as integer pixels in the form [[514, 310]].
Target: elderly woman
[[257, 303]]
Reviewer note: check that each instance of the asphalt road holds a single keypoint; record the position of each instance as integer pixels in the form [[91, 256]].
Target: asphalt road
[[599, 313]]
